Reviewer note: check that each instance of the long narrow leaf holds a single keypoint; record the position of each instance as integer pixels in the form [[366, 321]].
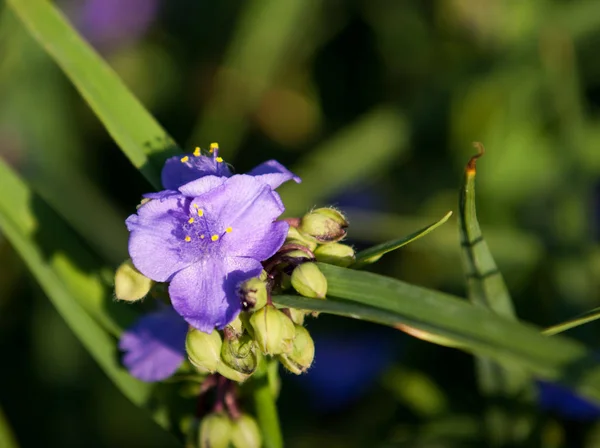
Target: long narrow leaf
[[138, 134], [486, 288], [372, 254], [7, 438], [475, 329]]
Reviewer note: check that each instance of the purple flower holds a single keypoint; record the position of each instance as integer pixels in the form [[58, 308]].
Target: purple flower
[[154, 345], [565, 402], [206, 238], [179, 171]]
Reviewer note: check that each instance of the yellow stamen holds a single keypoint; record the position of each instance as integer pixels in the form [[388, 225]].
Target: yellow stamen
[[214, 237], [191, 220], [201, 237], [213, 146], [228, 229], [188, 239], [195, 205], [197, 151], [184, 159], [200, 212], [219, 159]]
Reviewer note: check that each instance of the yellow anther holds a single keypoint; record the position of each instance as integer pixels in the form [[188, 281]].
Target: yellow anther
[[228, 229], [195, 205], [201, 237], [200, 212], [184, 159], [188, 239], [214, 237], [191, 220], [213, 146], [219, 159], [197, 151]]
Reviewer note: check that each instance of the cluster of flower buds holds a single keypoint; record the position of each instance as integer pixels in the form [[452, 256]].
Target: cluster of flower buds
[[218, 430]]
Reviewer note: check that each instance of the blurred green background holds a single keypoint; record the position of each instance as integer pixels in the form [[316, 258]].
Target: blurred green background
[[375, 105]]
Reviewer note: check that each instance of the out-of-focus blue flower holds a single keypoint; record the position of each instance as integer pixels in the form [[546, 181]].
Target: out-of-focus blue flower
[[563, 401], [205, 239], [110, 23], [345, 367], [154, 345]]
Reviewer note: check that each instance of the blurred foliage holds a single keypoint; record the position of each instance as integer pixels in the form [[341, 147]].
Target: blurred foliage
[[381, 96]]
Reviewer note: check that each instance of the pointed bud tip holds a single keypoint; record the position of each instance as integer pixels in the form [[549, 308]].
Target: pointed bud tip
[[325, 225], [273, 330]]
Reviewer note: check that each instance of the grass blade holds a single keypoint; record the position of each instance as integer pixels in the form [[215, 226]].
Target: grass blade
[[486, 288], [7, 438], [372, 254], [582, 319], [140, 137]]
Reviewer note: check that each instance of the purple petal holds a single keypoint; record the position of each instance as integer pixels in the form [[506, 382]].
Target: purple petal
[[176, 173], [202, 185], [250, 208], [273, 173], [205, 293], [154, 242], [154, 345], [161, 194]]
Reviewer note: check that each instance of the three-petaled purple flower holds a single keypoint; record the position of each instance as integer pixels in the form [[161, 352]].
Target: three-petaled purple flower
[[205, 234]]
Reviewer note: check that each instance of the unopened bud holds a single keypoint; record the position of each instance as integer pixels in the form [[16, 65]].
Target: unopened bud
[[204, 349], [297, 316], [309, 281], [253, 293], [245, 433], [297, 255], [273, 330], [294, 236], [302, 354], [240, 354], [235, 327], [335, 253], [215, 431], [131, 284], [232, 374], [326, 225]]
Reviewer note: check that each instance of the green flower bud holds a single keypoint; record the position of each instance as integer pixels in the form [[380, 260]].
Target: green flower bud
[[245, 433], [131, 284], [325, 225], [335, 253], [273, 330], [215, 431], [235, 327], [204, 350], [240, 354], [232, 374], [297, 316], [302, 354], [296, 237], [253, 293], [309, 281], [297, 255]]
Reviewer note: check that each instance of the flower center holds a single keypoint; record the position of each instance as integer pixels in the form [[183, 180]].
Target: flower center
[[201, 234]]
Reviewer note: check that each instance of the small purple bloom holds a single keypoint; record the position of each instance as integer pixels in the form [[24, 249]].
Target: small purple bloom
[[154, 345], [205, 239], [179, 171], [560, 399]]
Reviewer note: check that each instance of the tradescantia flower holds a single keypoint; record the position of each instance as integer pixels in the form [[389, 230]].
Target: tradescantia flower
[[206, 238], [154, 345], [179, 171]]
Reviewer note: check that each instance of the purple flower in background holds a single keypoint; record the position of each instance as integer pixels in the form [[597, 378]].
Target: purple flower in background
[[206, 238], [563, 401], [110, 23], [179, 171], [154, 345], [346, 367]]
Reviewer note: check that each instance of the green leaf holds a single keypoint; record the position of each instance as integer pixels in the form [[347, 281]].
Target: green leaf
[[474, 329], [68, 274], [582, 319], [140, 137], [7, 438], [486, 288], [372, 254]]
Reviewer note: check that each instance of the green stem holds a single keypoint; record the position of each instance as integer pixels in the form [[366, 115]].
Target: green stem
[[267, 413], [590, 316]]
